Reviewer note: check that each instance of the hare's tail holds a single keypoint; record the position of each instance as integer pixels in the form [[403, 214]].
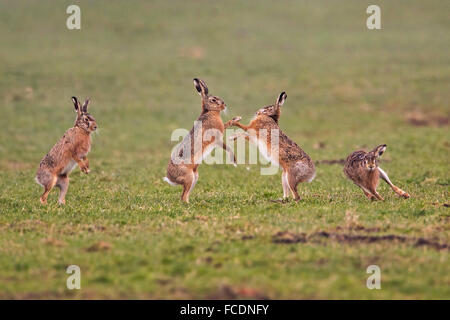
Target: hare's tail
[[37, 181], [312, 177], [169, 181]]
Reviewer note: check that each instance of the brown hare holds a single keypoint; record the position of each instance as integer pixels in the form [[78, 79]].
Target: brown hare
[[297, 165], [67, 153], [362, 168], [205, 135]]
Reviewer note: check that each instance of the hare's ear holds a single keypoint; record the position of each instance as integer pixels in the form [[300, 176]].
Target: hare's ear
[[281, 98], [76, 104], [85, 105], [201, 87], [379, 150]]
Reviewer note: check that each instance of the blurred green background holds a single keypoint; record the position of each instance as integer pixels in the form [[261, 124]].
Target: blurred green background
[[348, 88]]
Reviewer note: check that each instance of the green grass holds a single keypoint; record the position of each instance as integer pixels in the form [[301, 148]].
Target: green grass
[[347, 87]]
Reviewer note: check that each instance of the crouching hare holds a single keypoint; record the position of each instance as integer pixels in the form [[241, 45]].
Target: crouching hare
[[67, 153], [205, 135], [297, 165], [362, 168]]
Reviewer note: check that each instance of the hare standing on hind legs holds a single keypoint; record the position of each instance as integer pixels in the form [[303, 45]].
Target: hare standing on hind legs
[[206, 134], [362, 168], [297, 165], [67, 153]]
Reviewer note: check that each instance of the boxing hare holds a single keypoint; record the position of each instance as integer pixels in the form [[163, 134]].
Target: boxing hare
[[362, 168], [206, 134], [67, 153], [297, 165]]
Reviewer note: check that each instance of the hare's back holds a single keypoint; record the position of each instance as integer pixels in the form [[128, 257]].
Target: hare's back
[[291, 151]]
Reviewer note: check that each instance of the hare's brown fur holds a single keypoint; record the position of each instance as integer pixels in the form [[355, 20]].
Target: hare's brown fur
[[362, 168], [184, 171], [71, 150], [296, 163]]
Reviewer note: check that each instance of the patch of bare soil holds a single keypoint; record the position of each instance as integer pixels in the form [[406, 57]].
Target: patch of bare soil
[[54, 242], [94, 228], [288, 237], [333, 161], [228, 293], [420, 119], [99, 246], [279, 200], [362, 228], [28, 225], [437, 204]]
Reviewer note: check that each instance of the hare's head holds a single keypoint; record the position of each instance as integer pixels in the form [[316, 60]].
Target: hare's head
[[84, 119], [274, 110], [371, 158], [209, 103]]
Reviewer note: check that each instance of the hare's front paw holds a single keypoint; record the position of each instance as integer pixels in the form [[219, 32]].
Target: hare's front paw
[[85, 169], [236, 119]]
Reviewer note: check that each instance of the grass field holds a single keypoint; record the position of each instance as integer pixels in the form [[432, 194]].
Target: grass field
[[348, 88]]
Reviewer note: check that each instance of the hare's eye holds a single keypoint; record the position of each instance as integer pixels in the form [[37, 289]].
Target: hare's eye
[[86, 119], [213, 100]]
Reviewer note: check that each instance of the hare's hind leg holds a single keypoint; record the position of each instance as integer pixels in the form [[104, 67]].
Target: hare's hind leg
[[195, 178], [48, 181], [63, 184], [284, 182], [188, 185], [292, 183], [396, 189]]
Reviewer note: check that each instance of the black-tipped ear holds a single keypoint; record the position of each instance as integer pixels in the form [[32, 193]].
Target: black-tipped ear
[[85, 105], [379, 150], [205, 87], [197, 85], [201, 87], [281, 98], [76, 105]]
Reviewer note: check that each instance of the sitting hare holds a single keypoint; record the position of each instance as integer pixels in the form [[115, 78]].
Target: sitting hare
[[362, 168], [69, 151], [297, 165], [206, 134]]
